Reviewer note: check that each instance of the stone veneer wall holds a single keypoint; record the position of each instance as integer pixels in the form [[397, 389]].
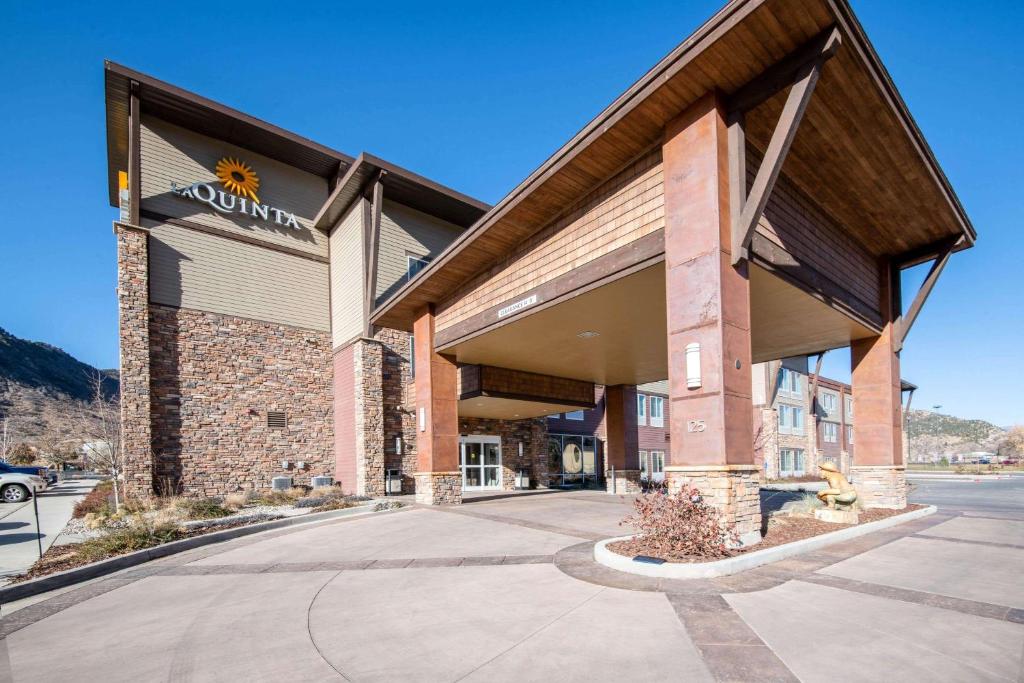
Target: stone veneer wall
[[399, 395], [880, 486], [369, 418], [532, 433], [214, 377], [733, 489], [133, 321]]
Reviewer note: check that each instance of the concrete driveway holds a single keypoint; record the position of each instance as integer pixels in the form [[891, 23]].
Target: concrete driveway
[[507, 590], [19, 542]]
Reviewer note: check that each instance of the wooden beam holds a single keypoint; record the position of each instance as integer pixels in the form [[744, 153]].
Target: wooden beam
[[737, 139], [134, 156], [778, 147], [781, 75], [903, 323], [814, 389], [372, 249]]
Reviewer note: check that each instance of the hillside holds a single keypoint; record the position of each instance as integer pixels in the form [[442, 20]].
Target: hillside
[[937, 434], [40, 384]]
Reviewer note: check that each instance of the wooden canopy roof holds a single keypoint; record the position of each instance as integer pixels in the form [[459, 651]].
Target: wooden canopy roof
[[858, 151]]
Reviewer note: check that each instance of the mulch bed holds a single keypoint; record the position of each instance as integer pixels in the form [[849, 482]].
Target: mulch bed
[[781, 530]]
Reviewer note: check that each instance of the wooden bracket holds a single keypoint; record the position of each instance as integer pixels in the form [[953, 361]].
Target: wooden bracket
[[372, 243], [801, 70], [903, 323]]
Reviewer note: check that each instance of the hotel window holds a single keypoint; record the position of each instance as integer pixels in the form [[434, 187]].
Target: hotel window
[[828, 401], [831, 432], [576, 415], [791, 461], [849, 434], [645, 469], [849, 407], [789, 382], [657, 411], [416, 264], [658, 464], [641, 409], [791, 419]]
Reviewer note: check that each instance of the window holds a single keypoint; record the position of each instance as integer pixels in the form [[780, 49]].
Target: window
[[657, 411], [849, 406], [576, 415], [645, 469], [416, 264], [791, 419], [641, 409], [791, 461], [828, 401], [831, 432], [658, 463], [790, 382], [849, 434]]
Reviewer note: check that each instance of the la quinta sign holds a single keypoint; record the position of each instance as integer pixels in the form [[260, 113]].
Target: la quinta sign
[[242, 184]]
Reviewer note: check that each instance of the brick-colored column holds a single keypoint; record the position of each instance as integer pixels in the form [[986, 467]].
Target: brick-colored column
[[621, 440], [133, 325], [439, 480], [711, 427], [878, 471]]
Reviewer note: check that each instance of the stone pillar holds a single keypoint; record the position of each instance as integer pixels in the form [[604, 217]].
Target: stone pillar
[[621, 440], [878, 471], [708, 299], [439, 480], [369, 417], [133, 324]]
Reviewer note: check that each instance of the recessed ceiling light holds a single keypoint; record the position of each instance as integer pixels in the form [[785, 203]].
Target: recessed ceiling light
[[588, 334]]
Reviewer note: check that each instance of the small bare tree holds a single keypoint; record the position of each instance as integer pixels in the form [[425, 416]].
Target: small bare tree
[[6, 438], [98, 425]]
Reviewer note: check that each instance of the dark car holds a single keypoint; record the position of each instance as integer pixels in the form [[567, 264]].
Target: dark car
[[37, 471]]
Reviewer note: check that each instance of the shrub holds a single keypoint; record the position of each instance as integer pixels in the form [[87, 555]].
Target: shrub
[[201, 508], [120, 541], [281, 497], [99, 501], [237, 501], [681, 525]]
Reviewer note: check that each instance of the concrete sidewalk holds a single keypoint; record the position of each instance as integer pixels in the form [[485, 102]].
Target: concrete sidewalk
[[19, 541], [508, 590]]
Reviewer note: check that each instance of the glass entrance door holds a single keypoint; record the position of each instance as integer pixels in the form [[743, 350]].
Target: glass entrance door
[[480, 462]]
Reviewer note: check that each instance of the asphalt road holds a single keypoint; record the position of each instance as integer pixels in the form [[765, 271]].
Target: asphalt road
[[19, 546], [992, 496]]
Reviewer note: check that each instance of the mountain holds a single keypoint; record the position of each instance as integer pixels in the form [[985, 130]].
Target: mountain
[[40, 384], [933, 433]]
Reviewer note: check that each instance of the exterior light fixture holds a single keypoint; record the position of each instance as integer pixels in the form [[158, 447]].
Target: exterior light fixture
[[520, 449], [398, 445], [423, 419], [588, 334], [693, 380]]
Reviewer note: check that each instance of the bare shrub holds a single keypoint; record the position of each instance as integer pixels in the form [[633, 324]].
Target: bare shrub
[[237, 501], [681, 525]]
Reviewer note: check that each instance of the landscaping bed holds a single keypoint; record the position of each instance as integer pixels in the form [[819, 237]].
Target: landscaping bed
[[100, 530], [780, 531]]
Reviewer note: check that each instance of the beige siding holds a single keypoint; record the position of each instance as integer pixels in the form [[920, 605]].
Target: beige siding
[[192, 269], [347, 275], [174, 154], [659, 387], [627, 207], [407, 232]]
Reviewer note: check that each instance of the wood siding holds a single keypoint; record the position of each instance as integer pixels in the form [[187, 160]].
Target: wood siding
[[794, 224], [407, 232], [347, 275], [627, 207], [174, 154], [196, 270]]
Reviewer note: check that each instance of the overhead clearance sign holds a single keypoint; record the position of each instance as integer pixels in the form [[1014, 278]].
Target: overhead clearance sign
[[241, 184]]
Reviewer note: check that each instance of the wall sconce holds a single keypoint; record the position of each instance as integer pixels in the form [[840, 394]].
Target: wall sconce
[[520, 449], [693, 366], [398, 445], [423, 419]]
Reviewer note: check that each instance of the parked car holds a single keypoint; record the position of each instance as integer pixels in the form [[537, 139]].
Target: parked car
[[16, 487], [31, 469]]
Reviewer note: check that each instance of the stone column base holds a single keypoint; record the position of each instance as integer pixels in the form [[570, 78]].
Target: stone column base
[[880, 486], [439, 488], [734, 489], [624, 481]]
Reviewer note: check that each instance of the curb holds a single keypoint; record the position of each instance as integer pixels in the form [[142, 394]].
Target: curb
[[740, 563], [45, 584]]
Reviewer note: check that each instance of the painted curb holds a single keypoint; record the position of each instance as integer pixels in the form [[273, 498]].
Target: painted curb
[[45, 584], [740, 563]]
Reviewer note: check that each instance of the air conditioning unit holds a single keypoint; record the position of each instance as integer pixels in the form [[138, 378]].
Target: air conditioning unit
[[393, 482], [281, 483], [322, 482]]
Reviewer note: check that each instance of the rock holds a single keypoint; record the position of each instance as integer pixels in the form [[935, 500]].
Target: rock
[[836, 516]]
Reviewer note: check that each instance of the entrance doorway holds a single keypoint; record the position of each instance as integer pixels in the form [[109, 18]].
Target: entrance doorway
[[480, 462]]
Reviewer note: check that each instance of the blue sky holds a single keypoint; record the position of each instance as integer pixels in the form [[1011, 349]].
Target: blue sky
[[477, 95]]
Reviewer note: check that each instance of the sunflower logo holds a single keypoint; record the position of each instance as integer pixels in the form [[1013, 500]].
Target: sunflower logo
[[238, 178]]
